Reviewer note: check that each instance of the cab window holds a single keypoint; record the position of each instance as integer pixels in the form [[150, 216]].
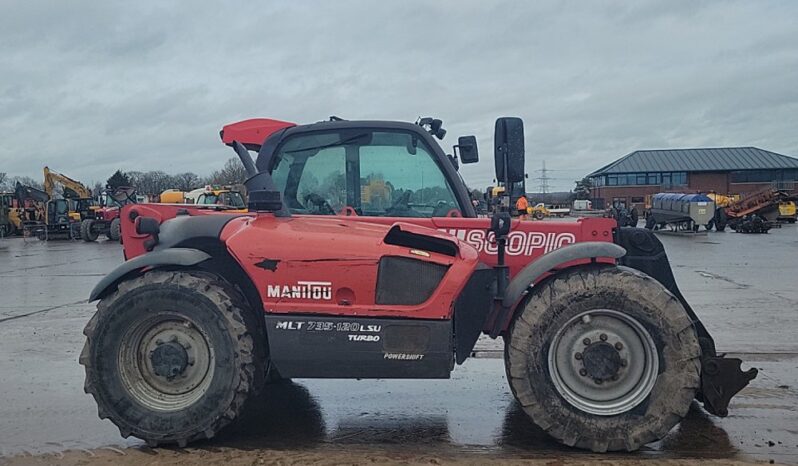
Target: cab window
[[374, 173]]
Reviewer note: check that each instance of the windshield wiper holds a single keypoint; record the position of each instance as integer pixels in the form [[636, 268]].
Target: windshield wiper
[[342, 142]]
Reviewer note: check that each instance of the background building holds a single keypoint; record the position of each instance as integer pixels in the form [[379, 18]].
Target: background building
[[728, 170]]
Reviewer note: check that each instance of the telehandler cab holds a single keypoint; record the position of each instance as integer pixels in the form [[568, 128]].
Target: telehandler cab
[[361, 256]]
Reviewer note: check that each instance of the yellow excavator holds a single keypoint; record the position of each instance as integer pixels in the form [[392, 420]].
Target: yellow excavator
[[81, 203]]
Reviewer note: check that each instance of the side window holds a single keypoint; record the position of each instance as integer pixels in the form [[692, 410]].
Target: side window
[[388, 174], [399, 180], [323, 177]]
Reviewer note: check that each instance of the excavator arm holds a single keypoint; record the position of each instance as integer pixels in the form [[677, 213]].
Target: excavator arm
[[72, 188]]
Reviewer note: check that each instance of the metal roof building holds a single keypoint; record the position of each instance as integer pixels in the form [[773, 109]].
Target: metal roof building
[[726, 170], [699, 160]]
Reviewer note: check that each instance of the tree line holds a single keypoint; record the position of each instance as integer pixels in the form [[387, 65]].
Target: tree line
[[149, 183]]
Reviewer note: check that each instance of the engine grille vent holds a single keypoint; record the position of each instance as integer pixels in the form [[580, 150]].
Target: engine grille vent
[[408, 282]]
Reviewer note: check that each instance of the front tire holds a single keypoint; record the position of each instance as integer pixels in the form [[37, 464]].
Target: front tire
[[171, 357], [87, 232], [603, 359], [114, 230]]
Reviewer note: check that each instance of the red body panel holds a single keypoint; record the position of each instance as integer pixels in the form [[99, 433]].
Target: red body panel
[[527, 241], [328, 264], [253, 131], [108, 213]]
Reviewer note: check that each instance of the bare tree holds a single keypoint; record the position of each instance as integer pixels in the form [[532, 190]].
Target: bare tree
[[3, 181], [12, 181], [233, 173], [186, 181], [98, 189]]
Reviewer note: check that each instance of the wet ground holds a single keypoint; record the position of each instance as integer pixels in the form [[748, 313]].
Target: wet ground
[[743, 287]]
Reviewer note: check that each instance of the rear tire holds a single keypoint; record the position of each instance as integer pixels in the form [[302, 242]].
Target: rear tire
[[645, 388], [87, 232], [538, 215], [114, 231], [171, 357]]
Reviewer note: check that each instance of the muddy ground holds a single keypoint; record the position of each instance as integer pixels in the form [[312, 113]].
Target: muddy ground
[[743, 287]]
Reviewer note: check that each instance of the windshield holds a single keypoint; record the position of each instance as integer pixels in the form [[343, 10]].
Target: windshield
[[379, 173], [230, 199]]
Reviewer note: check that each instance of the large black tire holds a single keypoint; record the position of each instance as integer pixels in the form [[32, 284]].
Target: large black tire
[[720, 220], [5, 230], [134, 344], [538, 215], [114, 231], [618, 292], [87, 232], [650, 222]]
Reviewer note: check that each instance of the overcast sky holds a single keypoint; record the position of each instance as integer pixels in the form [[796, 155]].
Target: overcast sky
[[87, 87]]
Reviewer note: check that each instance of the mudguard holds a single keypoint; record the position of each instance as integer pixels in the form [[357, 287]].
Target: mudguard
[[532, 272], [183, 257]]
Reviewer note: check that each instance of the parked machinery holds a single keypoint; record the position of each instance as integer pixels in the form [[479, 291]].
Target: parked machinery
[[81, 202], [173, 196], [767, 205], [539, 211], [787, 212], [212, 196], [217, 195], [30, 205], [105, 220], [602, 350], [685, 212], [7, 228]]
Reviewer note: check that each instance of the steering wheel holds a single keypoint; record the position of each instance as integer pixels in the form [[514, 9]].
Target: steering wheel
[[401, 206], [321, 206]]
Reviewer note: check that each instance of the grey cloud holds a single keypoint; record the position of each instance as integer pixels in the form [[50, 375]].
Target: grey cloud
[[89, 87]]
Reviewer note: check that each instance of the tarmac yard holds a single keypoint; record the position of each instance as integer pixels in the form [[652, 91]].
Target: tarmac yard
[[744, 288]]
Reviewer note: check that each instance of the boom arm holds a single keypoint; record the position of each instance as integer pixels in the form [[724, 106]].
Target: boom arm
[[70, 185], [23, 193]]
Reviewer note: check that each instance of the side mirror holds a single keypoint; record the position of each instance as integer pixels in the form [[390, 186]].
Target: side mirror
[[509, 149], [468, 149]]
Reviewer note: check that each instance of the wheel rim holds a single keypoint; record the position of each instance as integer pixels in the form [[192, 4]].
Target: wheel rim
[[166, 362], [603, 362]]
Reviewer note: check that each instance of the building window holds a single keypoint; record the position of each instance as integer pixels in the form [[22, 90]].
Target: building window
[[643, 179], [763, 176], [637, 200]]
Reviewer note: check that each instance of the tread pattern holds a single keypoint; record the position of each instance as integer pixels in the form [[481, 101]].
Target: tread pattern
[[672, 395], [236, 320]]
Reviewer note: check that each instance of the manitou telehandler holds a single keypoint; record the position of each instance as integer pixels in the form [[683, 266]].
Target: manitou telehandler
[[323, 278]]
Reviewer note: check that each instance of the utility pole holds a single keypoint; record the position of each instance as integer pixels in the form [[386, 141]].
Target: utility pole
[[544, 179]]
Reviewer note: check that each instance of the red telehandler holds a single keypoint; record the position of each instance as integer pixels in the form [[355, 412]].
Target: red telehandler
[[362, 257]]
